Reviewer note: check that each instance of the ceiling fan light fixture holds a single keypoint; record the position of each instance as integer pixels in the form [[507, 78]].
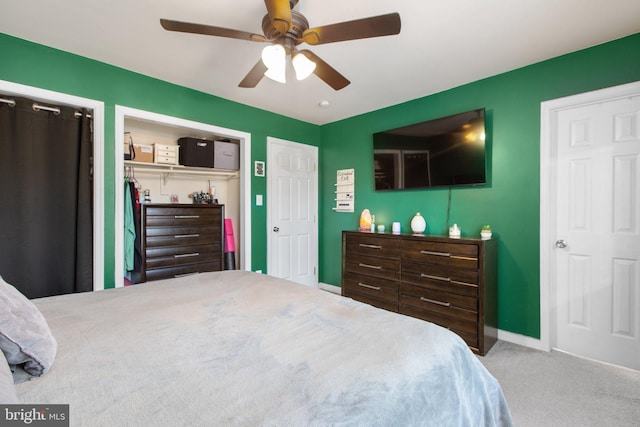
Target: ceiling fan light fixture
[[278, 74], [274, 58], [303, 65]]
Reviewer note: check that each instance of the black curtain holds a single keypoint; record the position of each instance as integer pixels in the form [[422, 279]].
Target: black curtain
[[46, 213]]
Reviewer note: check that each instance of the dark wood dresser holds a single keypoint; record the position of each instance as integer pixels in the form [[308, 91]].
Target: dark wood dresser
[[181, 239], [450, 282]]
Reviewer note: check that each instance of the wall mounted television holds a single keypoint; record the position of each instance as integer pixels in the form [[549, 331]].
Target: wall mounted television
[[445, 152]]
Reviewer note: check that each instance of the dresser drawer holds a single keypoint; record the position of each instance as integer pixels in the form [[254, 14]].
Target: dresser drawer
[[372, 286], [181, 270], [383, 304], [445, 278], [182, 211], [468, 331], [188, 220], [456, 312], [182, 232], [458, 255], [166, 153], [186, 258], [372, 245], [371, 266], [169, 251], [167, 148], [181, 240], [445, 303]]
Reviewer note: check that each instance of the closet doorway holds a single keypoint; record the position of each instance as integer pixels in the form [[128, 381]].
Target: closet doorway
[[51, 188], [163, 126]]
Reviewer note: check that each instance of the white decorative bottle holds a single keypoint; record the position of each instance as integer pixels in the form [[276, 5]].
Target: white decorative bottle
[[418, 224]]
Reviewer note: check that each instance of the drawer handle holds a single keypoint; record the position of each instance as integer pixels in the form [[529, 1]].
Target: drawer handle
[[464, 283], [432, 301], [185, 236], [375, 267], [446, 254], [466, 258], [363, 245], [186, 255], [186, 274], [364, 285], [186, 216], [429, 276]]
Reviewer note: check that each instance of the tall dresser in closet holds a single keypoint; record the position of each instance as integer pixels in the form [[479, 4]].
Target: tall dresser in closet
[[181, 239]]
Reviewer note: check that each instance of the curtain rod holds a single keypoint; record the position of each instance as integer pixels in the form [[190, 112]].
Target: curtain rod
[[11, 102], [38, 107], [55, 110]]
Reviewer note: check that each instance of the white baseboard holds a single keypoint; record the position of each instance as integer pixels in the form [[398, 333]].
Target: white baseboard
[[522, 340], [330, 288]]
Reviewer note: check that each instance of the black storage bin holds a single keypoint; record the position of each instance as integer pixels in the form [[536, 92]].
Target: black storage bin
[[196, 152]]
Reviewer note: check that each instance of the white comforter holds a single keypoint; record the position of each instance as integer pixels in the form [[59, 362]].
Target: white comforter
[[239, 348]]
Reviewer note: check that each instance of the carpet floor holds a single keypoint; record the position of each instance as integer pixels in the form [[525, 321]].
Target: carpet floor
[[558, 389]]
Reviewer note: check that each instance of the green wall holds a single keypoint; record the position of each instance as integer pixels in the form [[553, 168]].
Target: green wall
[[510, 202], [39, 66]]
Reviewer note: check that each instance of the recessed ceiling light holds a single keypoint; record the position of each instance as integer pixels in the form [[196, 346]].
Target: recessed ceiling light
[[324, 104]]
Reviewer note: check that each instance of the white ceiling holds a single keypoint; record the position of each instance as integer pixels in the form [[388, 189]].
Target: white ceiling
[[442, 44]]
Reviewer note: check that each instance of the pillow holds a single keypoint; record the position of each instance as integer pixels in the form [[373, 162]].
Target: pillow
[[7, 389], [25, 337]]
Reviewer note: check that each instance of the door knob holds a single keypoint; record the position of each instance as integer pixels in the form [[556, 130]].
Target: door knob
[[561, 244], [276, 229]]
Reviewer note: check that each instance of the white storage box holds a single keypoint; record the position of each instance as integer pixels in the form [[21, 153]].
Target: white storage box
[[226, 155], [166, 154]]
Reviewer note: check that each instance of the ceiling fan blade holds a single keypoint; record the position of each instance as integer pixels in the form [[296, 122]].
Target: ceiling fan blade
[[326, 72], [254, 76], [187, 27], [279, 14], [375, 26]]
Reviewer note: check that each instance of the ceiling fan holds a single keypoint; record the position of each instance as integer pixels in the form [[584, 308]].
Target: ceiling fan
[[285, 29]]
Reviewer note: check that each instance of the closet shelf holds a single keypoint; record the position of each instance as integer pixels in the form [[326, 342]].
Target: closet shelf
[[177, 170]]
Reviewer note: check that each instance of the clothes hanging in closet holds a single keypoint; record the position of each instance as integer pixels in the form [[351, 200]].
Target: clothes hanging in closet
[[129, 229], [137, 218], [132, 230]]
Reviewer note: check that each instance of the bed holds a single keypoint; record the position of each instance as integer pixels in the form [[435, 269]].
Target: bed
[[246, 349]]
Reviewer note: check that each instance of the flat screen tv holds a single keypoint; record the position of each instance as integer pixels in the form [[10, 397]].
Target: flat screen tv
[[445, 152]]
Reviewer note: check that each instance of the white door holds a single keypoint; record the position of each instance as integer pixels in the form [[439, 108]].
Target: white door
[[597, 274], [292, 201]]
